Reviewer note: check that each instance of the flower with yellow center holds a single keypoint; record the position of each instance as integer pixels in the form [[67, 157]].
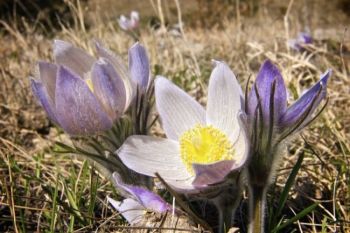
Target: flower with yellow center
[[202, 146]]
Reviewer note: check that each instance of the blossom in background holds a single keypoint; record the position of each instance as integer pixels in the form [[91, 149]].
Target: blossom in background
[[85, 95], [302, 39], [271, 121], [202, 147], [140, 201], [129, 24]]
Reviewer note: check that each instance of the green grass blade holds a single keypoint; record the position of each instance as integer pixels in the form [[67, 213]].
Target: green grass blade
[[54, 206], [296, 217], [284, 195]]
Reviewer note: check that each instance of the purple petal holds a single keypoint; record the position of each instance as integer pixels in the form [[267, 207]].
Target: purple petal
[[268, 75], [46, 102], [119, 67], [116, 61], [207, 174], [303, 108], [48, 73], [77, 109], [139, 65], [130, 209], [109, 88], [304, 38], [146, 198], [72, 57]]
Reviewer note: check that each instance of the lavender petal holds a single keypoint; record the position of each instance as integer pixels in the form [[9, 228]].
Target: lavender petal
[[48, 74], [306, 104], [139, 65], [77, 109], [109, 88], [207, 174], [120, 69], [41, 94], [146, 198], [267, 76], [72, 57]]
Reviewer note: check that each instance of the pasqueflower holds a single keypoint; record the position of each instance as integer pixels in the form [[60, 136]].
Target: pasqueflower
[[85, 95], [129, 24], [271, 122], [303, 39], [202, 147]]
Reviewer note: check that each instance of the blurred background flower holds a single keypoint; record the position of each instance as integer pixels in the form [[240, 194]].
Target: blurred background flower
[[303, 39], [129, 24]]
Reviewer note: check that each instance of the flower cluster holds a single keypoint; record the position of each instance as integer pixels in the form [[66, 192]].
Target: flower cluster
[[207, 153]]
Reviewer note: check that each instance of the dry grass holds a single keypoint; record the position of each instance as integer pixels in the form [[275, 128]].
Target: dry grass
[[35, 184]]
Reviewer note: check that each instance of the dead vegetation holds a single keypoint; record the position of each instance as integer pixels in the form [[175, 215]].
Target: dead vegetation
[[43, 191]]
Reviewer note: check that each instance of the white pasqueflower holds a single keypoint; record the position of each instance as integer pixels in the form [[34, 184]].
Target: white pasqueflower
[[129, 24], [202, 147]]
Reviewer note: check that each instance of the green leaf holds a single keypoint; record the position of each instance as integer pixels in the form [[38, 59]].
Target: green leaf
[[284, 195], [54, 206]]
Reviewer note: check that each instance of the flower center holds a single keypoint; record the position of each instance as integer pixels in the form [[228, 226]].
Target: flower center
[[204, 145]]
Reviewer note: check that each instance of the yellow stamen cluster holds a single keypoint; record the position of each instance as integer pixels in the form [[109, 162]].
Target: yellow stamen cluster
[[89, 83], [204, 145]]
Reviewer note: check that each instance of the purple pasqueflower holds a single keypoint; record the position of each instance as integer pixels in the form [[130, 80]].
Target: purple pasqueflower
[[302, 39], [85, 95], [129, 24], [202, 147], [140, 201], [271, 121]]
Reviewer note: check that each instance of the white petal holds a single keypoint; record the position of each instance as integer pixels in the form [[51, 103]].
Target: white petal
[[178, 110], [130, 209], [224, 100], [73, 57], [241, 145], [148, 155], [183, 186]]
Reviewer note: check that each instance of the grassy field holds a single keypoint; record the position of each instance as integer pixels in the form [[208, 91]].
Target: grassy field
[[43, 191]]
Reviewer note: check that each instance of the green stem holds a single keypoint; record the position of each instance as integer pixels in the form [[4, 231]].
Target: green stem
[[257, 203]]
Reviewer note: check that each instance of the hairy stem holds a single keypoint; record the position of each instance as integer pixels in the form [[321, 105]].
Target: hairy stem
[[226, 204], [225, 218], [257, 203]]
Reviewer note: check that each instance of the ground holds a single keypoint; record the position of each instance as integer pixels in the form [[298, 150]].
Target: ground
[[43, 191]]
